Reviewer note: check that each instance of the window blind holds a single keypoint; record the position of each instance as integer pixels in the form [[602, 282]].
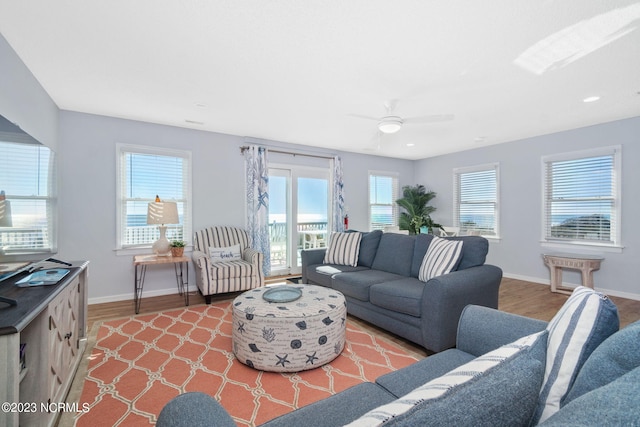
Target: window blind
[[581, 197], [383, 193], [27, 177], [145, 173], [476, 200]]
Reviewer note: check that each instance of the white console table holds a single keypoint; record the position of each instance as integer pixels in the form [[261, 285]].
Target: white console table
[[52, 322]]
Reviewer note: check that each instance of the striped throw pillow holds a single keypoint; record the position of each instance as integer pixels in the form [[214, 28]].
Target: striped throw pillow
[[343, 249], [585, 320], [442, 257], [454, 382]]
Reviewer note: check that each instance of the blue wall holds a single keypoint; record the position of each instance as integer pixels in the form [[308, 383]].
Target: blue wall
[[519, 250]]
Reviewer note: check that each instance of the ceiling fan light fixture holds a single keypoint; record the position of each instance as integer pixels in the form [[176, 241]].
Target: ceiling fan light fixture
[[390, 124]]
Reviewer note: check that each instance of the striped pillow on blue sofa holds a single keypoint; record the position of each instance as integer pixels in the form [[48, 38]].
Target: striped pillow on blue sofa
[[585, 320], [343, 249]]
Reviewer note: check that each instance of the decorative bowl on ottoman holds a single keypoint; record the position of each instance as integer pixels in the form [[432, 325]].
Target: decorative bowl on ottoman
[[287, 331]]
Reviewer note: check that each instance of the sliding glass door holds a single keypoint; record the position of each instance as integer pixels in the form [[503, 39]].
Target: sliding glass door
[[298, 214]]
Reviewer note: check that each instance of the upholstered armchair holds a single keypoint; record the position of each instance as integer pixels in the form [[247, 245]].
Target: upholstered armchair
[[224, 262]]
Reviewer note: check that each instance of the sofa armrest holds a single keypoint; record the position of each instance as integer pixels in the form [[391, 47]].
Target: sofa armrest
[[483, 329], [200, 260], [253, 256], [311, 257], [445, 296]]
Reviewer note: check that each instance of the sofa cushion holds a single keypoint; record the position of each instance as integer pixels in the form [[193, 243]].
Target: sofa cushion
[[442, 257], [395, 253], [403, 296], [322, 273], [369, 247], [343, 249], [617, 355], [498, 388], [585, 320], [356, 284], [615, 404]]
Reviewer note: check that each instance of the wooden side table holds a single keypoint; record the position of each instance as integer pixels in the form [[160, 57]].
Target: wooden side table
[[587, 264], [180, 266]]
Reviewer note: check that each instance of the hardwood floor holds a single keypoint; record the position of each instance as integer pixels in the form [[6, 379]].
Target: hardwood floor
[[516, 296]]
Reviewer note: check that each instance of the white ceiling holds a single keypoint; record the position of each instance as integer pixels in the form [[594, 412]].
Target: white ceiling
[[303, 71]]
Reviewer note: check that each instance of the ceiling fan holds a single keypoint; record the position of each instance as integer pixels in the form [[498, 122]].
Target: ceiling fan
[[391, 123]]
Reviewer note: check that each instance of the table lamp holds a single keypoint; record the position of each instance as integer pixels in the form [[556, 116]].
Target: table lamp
[[5, 211], [162, 213]]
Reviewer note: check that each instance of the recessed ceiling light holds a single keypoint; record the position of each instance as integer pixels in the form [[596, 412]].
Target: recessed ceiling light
[[193, 122], [200, 105], [411, 144], [591, 99]]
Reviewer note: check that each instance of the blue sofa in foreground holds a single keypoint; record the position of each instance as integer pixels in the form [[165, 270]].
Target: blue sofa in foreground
[[385, 289], [505, 370]]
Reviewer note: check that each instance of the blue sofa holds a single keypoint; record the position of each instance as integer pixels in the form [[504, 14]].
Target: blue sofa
[[384, 289], [603, 390]]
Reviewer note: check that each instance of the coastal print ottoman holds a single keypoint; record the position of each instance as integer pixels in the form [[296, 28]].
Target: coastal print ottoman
[[289, 336]]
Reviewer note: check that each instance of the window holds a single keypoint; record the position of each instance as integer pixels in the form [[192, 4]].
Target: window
[[581, 197], [383, 193], [28, 205], [145, 172], [476, 205]]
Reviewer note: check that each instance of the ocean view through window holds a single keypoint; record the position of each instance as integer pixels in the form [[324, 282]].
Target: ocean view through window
[[581, 197], [145, 172], [383, 193], [476, 204]]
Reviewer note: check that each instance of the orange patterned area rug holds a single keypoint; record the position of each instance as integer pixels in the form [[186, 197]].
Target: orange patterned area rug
[[139, 363]]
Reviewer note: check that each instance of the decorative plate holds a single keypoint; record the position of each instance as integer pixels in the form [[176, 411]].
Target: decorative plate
[[282, 294]]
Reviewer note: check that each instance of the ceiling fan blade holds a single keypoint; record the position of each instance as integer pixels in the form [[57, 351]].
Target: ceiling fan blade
[[432, 118], [362, 116]]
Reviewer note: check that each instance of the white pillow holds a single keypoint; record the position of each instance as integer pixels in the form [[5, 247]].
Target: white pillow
[[343, 249], [230, 253], [442, 257]]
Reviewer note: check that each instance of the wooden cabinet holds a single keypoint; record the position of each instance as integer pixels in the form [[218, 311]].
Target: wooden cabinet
[[50, 322]]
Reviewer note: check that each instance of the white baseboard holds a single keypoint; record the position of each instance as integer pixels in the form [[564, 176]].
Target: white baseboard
[[129, 296], [605, 291]]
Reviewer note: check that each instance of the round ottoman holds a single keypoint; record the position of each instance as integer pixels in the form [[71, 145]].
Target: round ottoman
[[289, 336]]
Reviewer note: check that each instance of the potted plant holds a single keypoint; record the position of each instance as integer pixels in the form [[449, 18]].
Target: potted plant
[[415, 201], [177, 247]]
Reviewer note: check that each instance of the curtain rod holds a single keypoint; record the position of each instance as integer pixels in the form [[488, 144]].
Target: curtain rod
[[317, 156]]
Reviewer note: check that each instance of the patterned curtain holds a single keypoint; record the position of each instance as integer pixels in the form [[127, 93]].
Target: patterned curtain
[[257, 182], [338, 211]]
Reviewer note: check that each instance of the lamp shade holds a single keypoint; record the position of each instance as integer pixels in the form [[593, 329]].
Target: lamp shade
[[5, 214], [162, 213]]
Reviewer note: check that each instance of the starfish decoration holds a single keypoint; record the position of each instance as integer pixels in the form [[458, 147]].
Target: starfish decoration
[[282, 360], [311, 357]]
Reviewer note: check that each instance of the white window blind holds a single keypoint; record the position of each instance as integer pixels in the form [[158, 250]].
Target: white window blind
[[383, 193], [145, 172], [581, 197], [27, 177], [476, 203]]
